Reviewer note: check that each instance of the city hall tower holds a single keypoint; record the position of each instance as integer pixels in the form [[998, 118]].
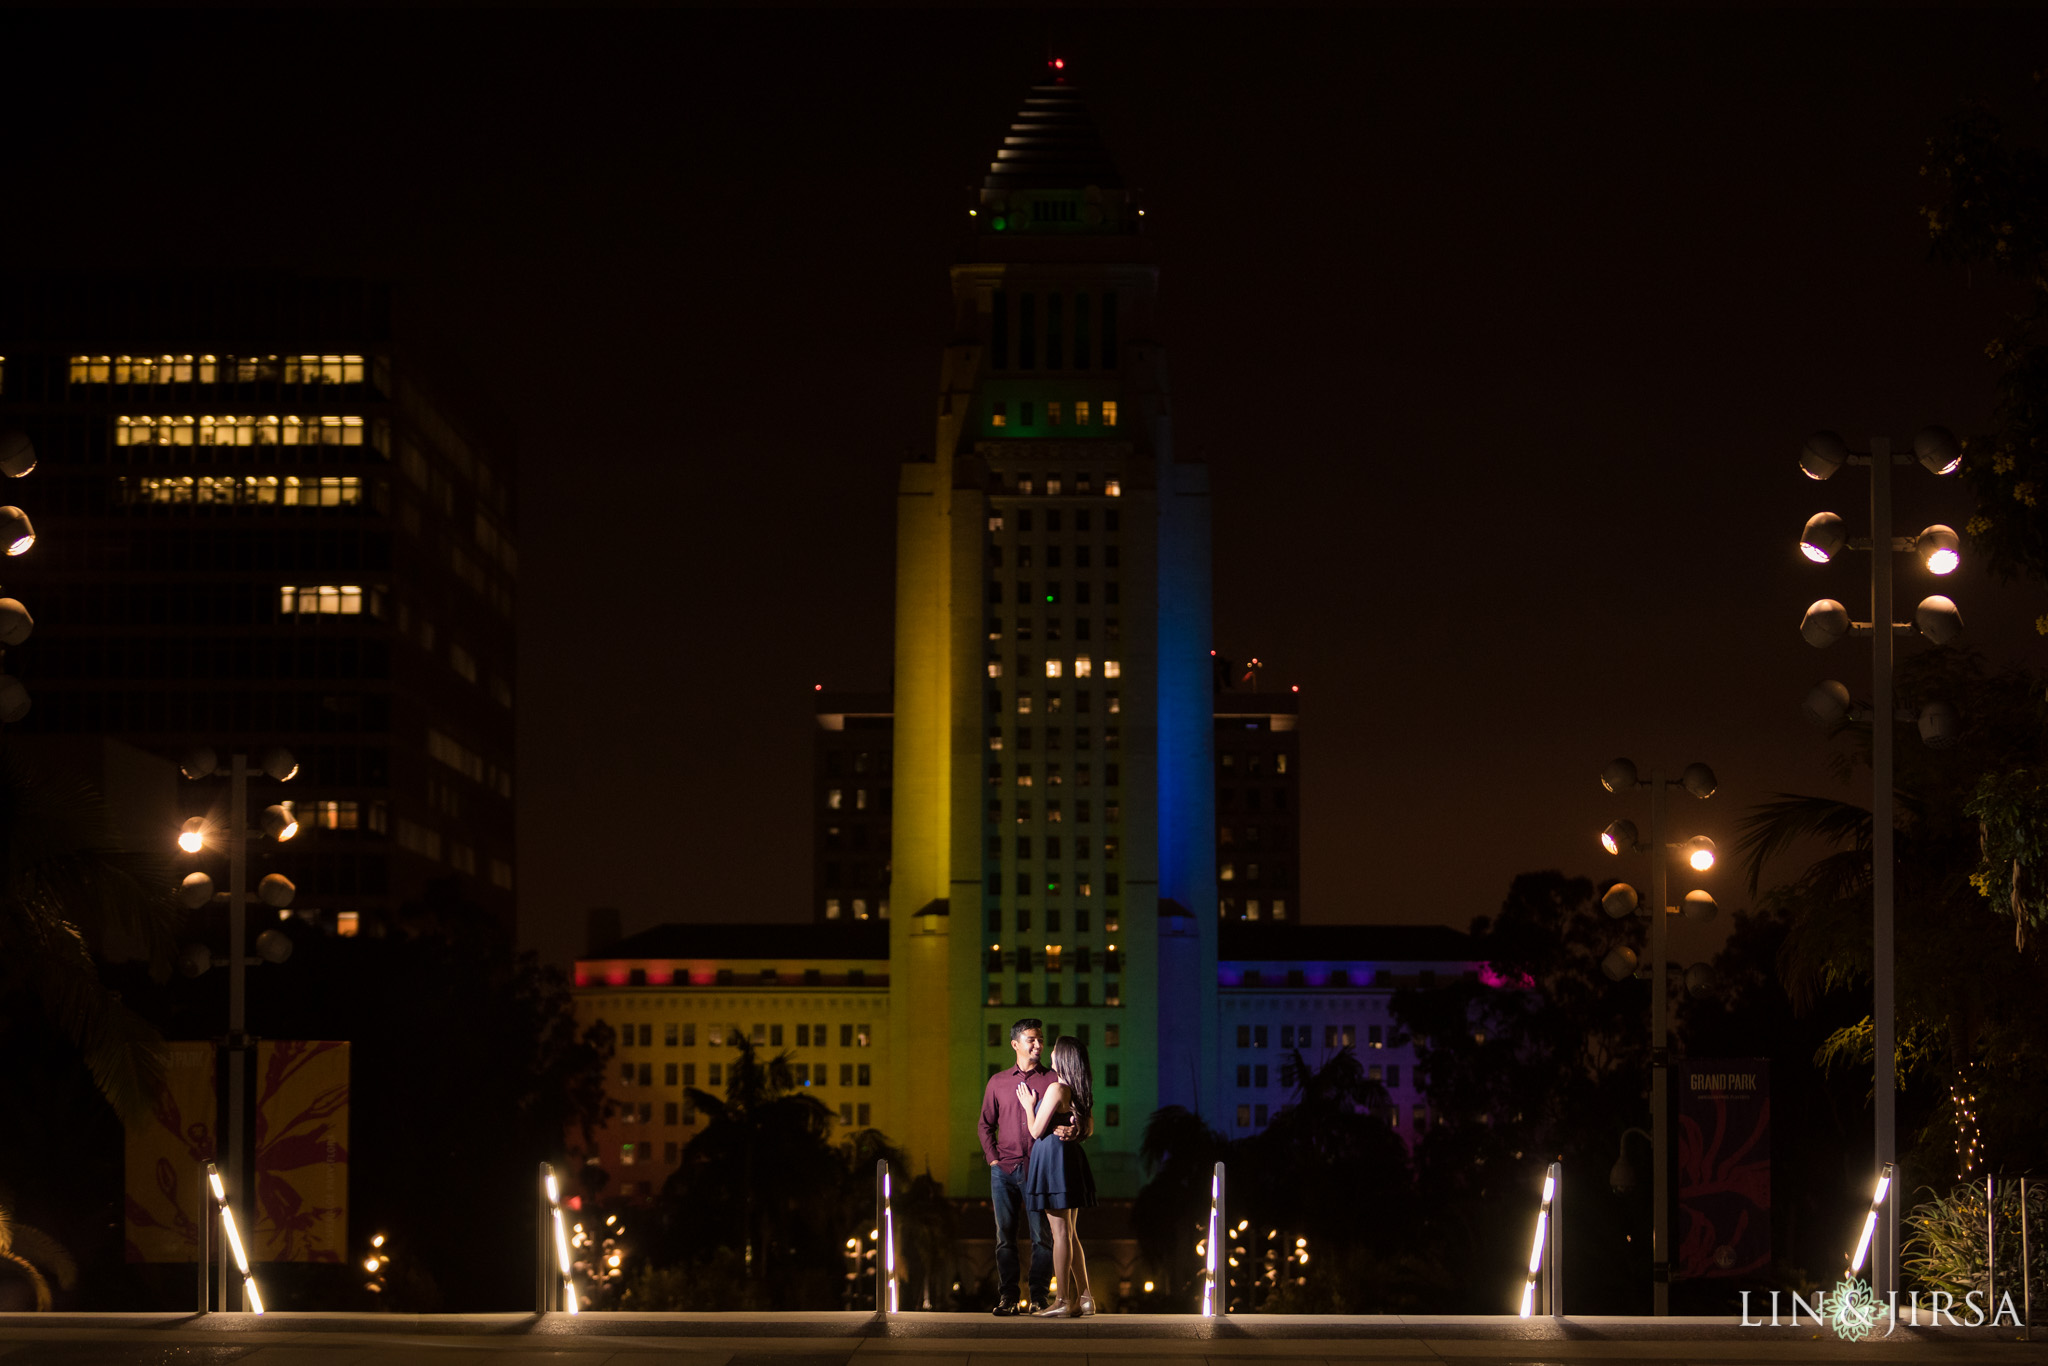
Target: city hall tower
[[1054, 824]]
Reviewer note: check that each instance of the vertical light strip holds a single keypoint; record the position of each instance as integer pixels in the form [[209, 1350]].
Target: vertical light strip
[[889, 1242], [1536, 1245], [227, 1223], [1884, 1185], [1211, 1261]]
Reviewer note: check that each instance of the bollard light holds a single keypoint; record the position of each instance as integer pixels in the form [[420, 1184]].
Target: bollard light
[[1618, 836], [1825, 622], [1939, 549], [227, 1223], [1536, 1243], [1938, 619], [1884, 1185], [1823, 538]]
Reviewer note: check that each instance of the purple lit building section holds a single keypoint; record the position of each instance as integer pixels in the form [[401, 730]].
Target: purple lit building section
[[1316, 989]]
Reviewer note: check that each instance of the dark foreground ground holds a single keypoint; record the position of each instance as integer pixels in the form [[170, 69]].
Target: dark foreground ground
[[951, 1340]]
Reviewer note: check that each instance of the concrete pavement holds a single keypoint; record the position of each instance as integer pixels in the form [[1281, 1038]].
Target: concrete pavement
[[829, 1339]]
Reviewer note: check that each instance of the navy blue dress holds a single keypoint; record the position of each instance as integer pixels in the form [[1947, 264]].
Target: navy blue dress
[[1056, 1176]]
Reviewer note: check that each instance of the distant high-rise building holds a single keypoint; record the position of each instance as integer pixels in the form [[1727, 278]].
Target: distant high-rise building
[[1258, 806], [853, 755], [256, 530], [1053, 832]]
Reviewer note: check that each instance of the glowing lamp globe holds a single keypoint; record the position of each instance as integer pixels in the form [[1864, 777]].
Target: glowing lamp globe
[[1699, 853], [1618, 836], [1823, 538]]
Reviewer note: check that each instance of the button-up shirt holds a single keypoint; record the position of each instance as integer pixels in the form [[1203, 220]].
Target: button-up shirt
[[1005, 1134]]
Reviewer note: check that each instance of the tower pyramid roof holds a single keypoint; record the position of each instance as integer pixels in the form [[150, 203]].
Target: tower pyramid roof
[[1052, 144]]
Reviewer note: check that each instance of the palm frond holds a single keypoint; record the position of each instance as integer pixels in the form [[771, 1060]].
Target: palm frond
[[1774, 826]]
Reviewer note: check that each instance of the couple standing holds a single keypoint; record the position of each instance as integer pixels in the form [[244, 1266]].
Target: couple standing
[[1033, 1119]]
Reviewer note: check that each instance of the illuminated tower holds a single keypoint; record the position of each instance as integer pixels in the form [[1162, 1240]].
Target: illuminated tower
[[1054, 824]]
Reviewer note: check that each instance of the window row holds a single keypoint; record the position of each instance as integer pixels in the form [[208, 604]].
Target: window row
[[338, 815], [999, 1035], [1055, 520], [1254, 764], [312, 491], [1025, 737], [1256, 800], [1054, 958], [1020, 994], [1054, 555], [1231, 871], [1084, 701], [1052, 844], [1025, 594], [1055, 812], [1254, 909], [1021, 919], [1056, 415], [270, 430], [190, 369], [1084, 775], [1069, 331], [856, 908], [684, 1034], [1028, 885], [857, 799], [329, 599], [1082, 666]]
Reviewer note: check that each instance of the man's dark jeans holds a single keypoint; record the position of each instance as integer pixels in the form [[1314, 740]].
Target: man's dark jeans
[[1006, 1193]]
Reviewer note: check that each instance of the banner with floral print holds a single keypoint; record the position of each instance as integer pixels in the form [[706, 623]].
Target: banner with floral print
[[301, 1212], [164, 1153]]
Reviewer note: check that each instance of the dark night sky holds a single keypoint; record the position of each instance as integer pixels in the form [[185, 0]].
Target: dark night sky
[[1498, 331]]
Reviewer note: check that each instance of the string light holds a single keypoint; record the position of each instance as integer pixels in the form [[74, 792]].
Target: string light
[[1962, 1099]]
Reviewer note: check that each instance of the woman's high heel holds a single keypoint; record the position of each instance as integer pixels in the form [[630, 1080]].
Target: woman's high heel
[[1057, 1310], [1087, 1307]]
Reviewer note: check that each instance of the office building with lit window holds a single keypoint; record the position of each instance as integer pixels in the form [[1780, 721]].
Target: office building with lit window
[[256, 529], [1258, 806], [852, 791], [678, 997], [1053, 832]]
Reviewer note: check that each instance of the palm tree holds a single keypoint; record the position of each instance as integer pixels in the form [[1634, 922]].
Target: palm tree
[[67, 888], [33, 1253]]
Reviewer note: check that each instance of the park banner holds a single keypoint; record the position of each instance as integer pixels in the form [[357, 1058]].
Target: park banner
[[163, 1153], [301, 1210], [1724, 1167]]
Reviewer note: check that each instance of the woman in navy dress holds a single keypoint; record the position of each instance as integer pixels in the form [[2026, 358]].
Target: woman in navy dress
[[1056, 1177]]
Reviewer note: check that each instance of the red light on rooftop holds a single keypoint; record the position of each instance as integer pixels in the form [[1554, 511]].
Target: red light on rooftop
[[817, 687], [1297, 687], [1059, 64]]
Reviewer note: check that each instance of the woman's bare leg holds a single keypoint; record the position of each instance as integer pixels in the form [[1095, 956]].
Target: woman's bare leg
[[1076, 1258], [1056, 1224]]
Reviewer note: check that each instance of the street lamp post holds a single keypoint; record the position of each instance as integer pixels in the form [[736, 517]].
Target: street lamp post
[[271, 945], [1698, 852], [1827, 621], [17, 459]]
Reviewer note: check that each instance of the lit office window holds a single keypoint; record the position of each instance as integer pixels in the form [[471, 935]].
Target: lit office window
[[334, 815], [238, 431], [1109, 412], [323, 369], [344, 490], [182, 369], [1052, 668], [1112, 669], [1081, 413], [322, 600], [1084, 667]]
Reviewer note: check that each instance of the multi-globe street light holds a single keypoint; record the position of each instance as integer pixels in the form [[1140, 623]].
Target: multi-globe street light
[[1827, 621], [272, 946], [1698, 852], [17, 458]]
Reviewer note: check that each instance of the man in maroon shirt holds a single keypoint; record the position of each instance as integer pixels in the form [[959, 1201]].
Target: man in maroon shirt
[[1006, 1142]]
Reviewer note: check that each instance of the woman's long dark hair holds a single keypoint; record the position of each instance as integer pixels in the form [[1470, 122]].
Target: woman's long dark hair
[[1070, 1061]]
